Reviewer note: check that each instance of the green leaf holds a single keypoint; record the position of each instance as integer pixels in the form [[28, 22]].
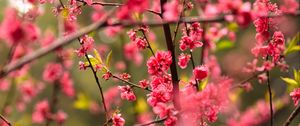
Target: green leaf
[[141, 105], [233, 26], [292, 45], [98, 57], [93, 60], [224, 44], [108, 59], [82, 102], [203, 84], [289, 81]]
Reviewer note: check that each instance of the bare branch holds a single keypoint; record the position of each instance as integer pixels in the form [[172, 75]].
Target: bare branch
[[292, 116], [5, 120]]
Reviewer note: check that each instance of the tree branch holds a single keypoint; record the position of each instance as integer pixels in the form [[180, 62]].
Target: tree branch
[[153, 122], [130, 83], [5, 120], [171, 48], [292, 116]]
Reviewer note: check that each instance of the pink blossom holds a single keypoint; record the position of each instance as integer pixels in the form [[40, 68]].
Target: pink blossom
[[160, 63], [89, 2], [172, 10], [255, 115], [60, 117], [200, 72], [290, 6], [111, 97], [87, 44], [107, 75], [140, 43], [183, 60], [4, 85], [125, 76], [41, 112], [82, 65], [261, 24], [118, 120], [52, 72], [132, 53], [66, 85], [189, 42], [144, 83], [127, 93], [295, 96]]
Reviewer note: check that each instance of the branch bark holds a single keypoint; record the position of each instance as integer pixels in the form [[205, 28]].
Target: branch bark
[[171, 48], [292, 116]]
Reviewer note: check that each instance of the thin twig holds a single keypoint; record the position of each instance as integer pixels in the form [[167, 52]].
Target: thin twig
[[148, 43], [97, 81], [54, 100], [241, 84], [5, 120], [130, 83], [153, 122], [292, 116]]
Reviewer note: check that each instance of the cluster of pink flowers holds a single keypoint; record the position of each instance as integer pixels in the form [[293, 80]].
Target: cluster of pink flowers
[[13, 30], [160, 63], [87, 44], [209, 101], [132, 6], [255, 115], [140, 42], [127, 93], [267, 47], [191, 39], [295, 96], [183, 60]]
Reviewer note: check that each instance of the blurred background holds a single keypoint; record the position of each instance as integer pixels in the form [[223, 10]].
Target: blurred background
[[232, 59]]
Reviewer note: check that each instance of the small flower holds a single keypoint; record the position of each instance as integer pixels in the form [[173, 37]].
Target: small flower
[[295, 96], [118, 120], [127, 93], [144, 83], [183, 60], [52, 72], [82, 65], [107, 75], [200, 72], [125, 76]]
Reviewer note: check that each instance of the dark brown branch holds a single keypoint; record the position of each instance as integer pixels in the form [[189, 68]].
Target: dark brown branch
[[130, 83], [153, 122], [5, 120], [171, 48], [53, 102], [292, 116]]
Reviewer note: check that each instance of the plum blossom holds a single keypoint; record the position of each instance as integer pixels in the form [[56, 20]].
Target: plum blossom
[[117, 120], [295, 96], [200, 72], [52, 72], [127, 93], [172, 10], [66, 85], [159, 63], [183, 60], [41, 112]]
